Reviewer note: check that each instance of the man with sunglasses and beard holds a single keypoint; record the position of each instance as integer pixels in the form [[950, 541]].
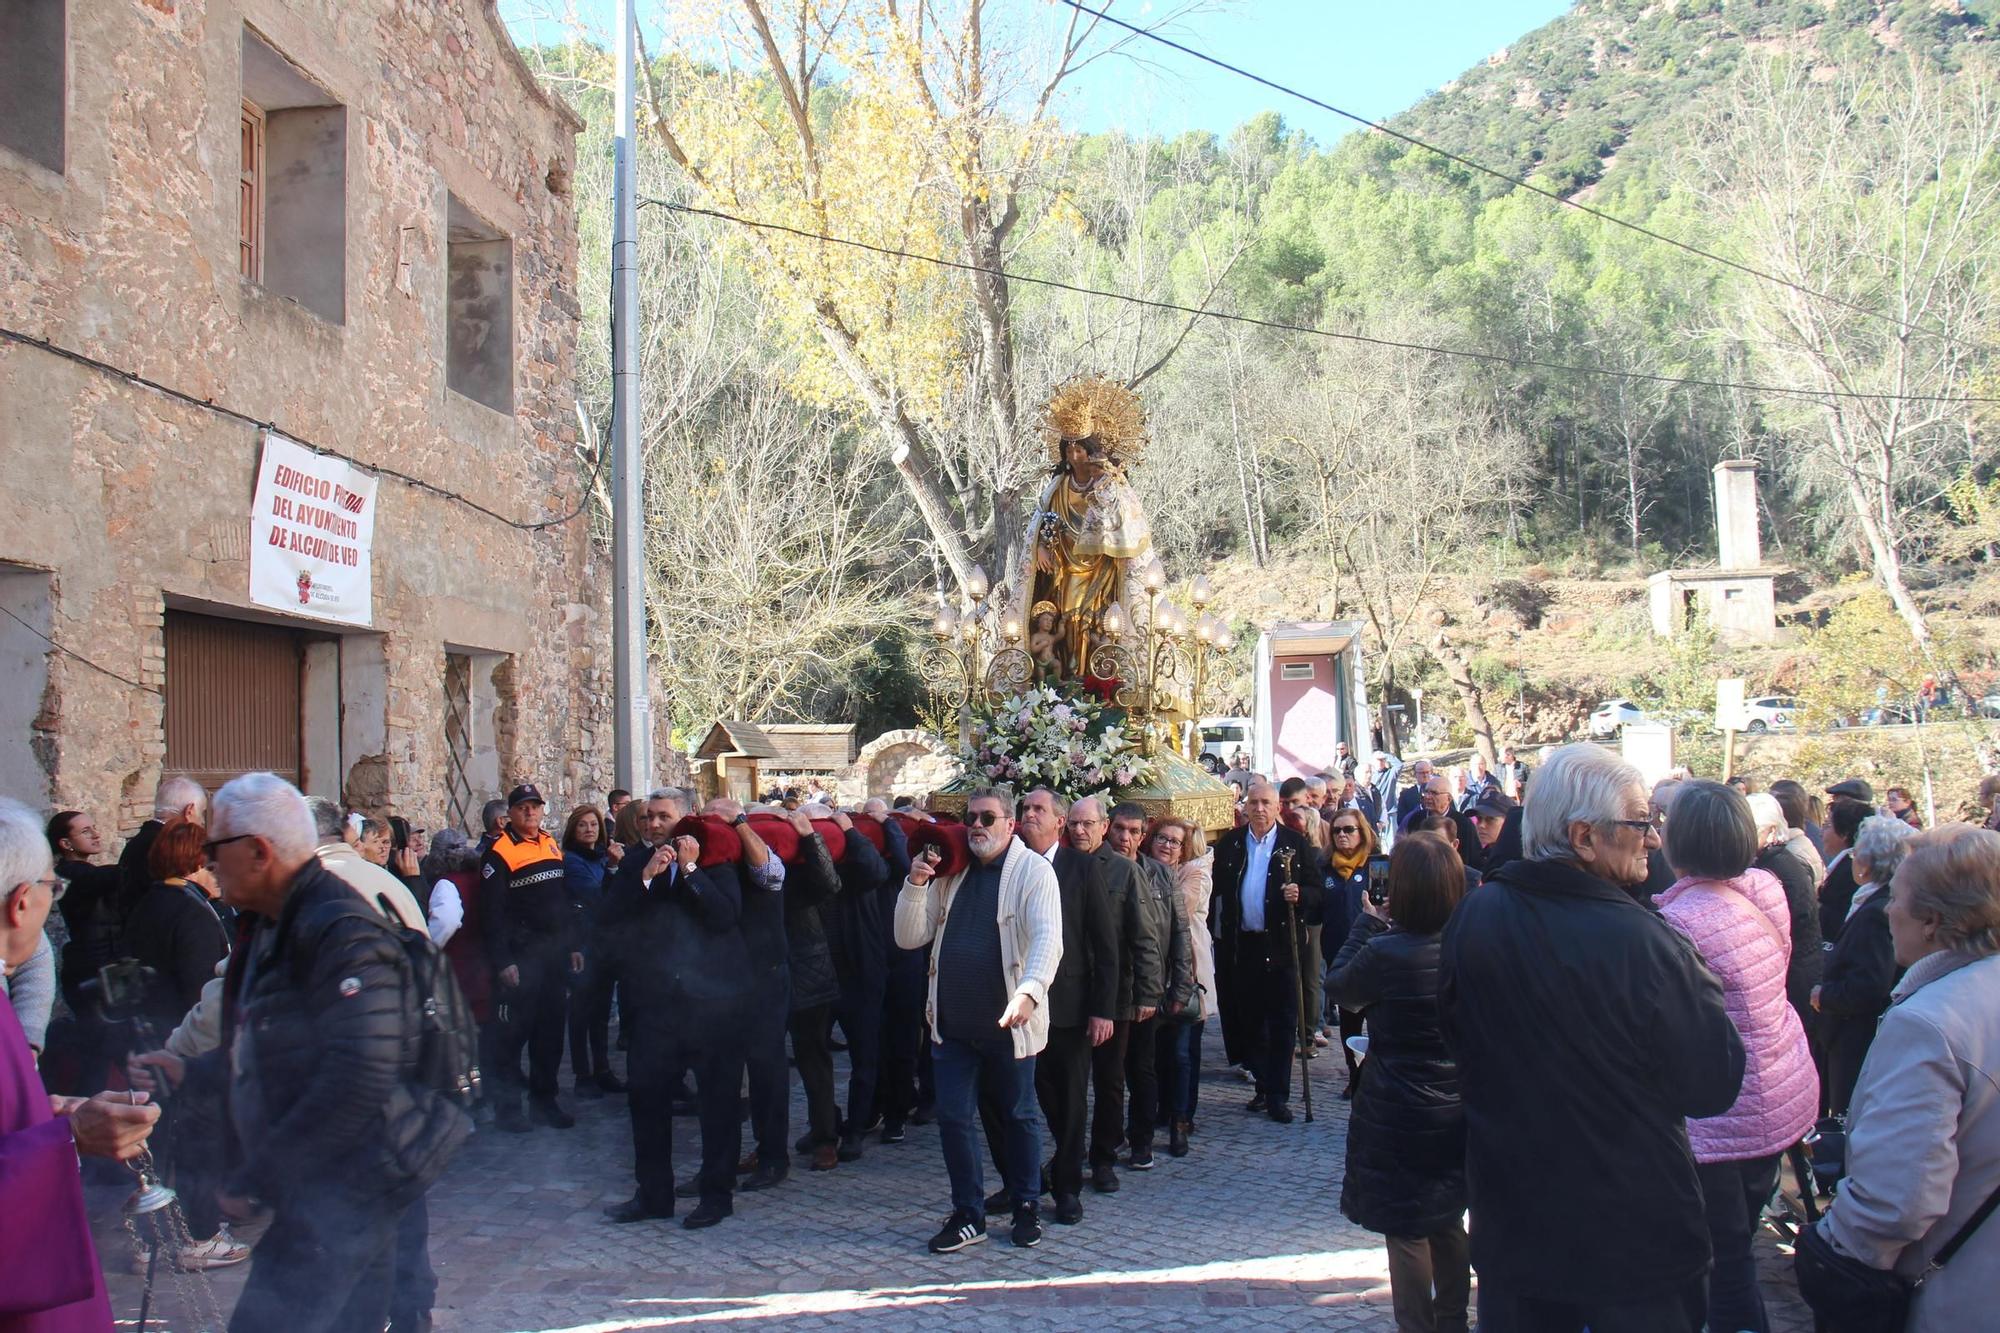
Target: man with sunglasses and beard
[[995, 934]]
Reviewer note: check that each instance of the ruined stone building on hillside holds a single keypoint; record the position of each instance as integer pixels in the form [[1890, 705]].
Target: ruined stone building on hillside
[[288, 292]]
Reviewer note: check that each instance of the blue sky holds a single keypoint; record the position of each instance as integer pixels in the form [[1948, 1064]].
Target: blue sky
[[1373, 57]]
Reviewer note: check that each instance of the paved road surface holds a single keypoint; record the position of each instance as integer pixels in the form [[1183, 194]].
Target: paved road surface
[[1244, 1232]]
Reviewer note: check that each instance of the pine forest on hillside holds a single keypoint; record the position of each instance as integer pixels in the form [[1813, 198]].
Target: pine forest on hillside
[[835, 435]]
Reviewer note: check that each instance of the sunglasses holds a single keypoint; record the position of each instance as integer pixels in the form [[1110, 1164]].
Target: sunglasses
[[983, 818]]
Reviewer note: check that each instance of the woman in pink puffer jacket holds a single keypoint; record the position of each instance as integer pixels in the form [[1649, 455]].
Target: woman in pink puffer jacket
[[1739, 922]]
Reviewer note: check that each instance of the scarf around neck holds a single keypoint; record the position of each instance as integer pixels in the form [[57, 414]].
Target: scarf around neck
[[1345, 864]]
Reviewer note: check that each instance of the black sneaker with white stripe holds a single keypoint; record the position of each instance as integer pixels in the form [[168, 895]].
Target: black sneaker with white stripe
[[960, 1230]]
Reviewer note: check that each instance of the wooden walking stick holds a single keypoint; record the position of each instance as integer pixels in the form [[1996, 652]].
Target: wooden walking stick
[[1304, 1024]]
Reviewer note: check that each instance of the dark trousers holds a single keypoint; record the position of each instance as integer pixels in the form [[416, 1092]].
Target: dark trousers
[[1180, 1067], [1430, 1281], [1267, 1019], [191, 1139], [1107, 1079], [903, 1039], [1734, 1194], [663, 1046], [1351, 1025], [326, 1265], [532, 1014], [1062, 1084], [964, 1068], [1142, 1078], [768, 1009], [415, 1287], [811, 1033], [1677, 1311], [862, 1020], [590, 1019]]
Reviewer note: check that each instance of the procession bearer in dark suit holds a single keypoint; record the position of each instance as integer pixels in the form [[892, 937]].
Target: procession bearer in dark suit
[[682, 969], [1256, 967]]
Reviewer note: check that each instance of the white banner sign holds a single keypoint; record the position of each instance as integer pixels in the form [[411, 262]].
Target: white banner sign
[[311, 528], [1729, 704]]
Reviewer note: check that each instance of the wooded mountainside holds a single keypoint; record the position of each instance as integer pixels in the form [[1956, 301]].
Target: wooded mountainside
[[1847, 147]]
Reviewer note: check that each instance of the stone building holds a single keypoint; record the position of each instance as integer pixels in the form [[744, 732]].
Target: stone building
[[352, 222], [1738, 597]]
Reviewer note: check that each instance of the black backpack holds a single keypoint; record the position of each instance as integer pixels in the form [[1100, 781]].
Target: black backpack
[[448, 1046]]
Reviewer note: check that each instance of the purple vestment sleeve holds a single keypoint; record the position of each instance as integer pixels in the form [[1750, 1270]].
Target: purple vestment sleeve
[[49, 1279]]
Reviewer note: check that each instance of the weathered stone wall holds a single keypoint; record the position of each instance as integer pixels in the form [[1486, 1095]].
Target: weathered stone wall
[[899, 763], [135, 502]]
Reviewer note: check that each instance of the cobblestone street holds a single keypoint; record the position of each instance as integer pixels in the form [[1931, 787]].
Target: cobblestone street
[[1243, 1232]]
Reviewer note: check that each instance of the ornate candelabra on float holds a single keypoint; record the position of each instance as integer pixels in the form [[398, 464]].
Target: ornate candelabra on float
[[976, 653], [1061, 685]]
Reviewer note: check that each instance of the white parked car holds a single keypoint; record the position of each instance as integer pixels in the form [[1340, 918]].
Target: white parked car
[[1222, 737], [1613, 716], [1773, 712]]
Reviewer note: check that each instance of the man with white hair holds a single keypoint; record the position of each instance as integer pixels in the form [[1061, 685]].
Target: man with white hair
[[1412, 796], [176, 797], [50, 1278], [1268, 885], [317, 1073], [1587, 1032]]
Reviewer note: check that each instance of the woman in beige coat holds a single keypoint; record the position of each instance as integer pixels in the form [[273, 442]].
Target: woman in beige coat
[[1923, 1142], [1180, 846]]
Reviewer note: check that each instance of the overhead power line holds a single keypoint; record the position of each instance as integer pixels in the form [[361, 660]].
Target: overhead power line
[[1464, 353], [417, 483], [1516, 181], [73, 653]]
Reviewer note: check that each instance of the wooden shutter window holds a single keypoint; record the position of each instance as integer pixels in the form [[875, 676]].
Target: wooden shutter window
[[250, 197]]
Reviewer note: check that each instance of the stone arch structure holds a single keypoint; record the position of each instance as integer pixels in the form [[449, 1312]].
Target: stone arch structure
[[899, 763]]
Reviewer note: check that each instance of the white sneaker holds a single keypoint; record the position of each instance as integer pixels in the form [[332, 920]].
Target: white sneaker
[[219, 1251]]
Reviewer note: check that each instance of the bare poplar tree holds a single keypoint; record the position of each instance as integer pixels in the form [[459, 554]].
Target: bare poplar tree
[[1877, 186]]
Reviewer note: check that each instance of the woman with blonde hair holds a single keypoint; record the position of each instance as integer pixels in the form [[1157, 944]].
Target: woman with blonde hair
[[1180, 845], [1353, 840]]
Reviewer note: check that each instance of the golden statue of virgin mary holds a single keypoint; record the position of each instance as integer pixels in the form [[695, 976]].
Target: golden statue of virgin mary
[[1088, 533]]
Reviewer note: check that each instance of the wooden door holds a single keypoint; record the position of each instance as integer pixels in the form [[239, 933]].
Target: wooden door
[[233, 701]]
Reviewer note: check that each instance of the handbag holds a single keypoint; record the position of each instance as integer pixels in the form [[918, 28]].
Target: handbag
[[1826, 1148], [1847, 1296]]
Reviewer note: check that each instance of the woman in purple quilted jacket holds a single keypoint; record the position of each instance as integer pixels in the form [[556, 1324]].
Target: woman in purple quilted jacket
[[1737, 919]]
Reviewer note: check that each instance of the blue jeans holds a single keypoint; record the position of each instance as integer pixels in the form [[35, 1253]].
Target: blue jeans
[[1180, 1068], [961, 1068]]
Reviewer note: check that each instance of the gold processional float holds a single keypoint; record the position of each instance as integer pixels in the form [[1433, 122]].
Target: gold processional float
[[1058, 683]]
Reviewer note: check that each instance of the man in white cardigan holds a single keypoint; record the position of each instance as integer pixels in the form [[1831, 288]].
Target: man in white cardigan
[[995, 936]]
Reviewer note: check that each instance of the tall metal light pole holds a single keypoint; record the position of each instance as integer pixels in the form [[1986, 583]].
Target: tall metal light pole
[[633, 724]]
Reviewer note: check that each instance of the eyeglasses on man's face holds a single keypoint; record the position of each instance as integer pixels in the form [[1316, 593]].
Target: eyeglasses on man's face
[[57, 887], [983, 818], [1652, 823], [209, 848]]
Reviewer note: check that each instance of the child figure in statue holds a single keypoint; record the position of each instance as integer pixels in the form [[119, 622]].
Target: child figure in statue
[[1044, 643]]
